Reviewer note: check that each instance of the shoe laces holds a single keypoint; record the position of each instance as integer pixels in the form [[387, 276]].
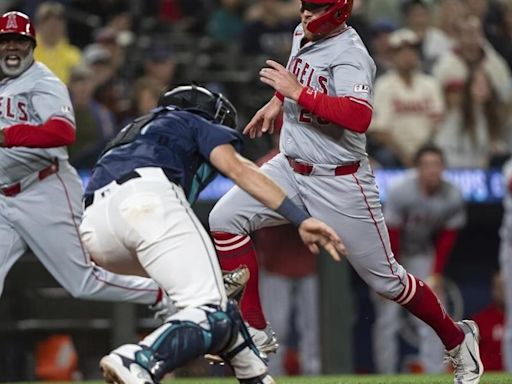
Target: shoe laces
[[457, 363]]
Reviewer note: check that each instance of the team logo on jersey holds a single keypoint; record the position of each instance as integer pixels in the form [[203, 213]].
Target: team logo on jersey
[[65, 109], [11, 22], [362, 88]]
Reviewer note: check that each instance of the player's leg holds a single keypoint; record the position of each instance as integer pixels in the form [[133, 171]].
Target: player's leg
[[231, 228], [12, 247], [431, 351], [385, 334], [276, 292], [350, 204], [506, 270], [190, 333], [47, 217], [308, 316]]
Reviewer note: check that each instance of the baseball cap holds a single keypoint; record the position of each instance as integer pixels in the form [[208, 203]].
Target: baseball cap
[[383, 26], [402, 38], [95, 54], [159, 52]]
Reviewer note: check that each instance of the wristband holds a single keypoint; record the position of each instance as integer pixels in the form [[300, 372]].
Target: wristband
[[290, 211]]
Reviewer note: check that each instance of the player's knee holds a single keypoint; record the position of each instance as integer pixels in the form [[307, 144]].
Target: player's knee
[[388, 288], [222, 219]]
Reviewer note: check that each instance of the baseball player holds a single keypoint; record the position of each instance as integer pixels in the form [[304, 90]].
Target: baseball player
[[40, 193], [506, 262], [325, 94], [424, 214], [138, 220]]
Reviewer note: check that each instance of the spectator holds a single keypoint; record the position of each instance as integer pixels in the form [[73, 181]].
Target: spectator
[[160, 65], [491, 321], [226, 24], [433, 41], [267, 32], [53, 48], [408, 105], [423, 213], [381, 51], [95, 122], [476, 83], [449, 14], [145, 94]]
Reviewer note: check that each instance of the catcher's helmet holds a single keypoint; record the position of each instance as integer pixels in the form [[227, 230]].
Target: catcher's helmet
[[334, 16], [17, 23], [213, 106]]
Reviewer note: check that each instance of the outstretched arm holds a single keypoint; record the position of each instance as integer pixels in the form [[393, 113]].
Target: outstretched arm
[[249, 178]]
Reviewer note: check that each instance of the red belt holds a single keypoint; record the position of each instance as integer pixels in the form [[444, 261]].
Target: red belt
[[14, 189], [306, 169]]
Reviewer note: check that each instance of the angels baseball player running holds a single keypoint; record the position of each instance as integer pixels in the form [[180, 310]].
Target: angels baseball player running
[[325, 93], [40, 192]]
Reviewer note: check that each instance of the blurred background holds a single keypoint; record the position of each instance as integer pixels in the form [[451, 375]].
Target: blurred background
[[116, 56]]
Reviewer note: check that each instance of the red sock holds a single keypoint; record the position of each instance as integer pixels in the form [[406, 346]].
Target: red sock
[[423, 303], [234, 251]]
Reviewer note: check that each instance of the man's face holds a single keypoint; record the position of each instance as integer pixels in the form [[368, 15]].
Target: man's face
[[309, 12], [16, 54], [430, 170]]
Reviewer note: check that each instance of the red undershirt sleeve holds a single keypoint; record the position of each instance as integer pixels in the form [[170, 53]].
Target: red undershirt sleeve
[[55, 132], [444, 246], [347, 111], [394, 239]]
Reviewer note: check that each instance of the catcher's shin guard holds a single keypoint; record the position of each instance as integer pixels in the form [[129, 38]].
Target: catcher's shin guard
[[179, 341]]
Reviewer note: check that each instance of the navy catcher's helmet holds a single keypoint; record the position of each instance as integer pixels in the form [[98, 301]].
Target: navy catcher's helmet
[[213, 106]]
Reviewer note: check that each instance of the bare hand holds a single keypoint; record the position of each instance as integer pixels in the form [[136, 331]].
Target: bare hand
[[281, 79], [315, 233], [263, 120]]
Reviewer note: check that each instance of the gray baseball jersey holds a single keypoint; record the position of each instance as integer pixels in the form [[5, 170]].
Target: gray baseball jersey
[[341, 66], [420, 217], [44, 215], [338, 65], [31, 98]]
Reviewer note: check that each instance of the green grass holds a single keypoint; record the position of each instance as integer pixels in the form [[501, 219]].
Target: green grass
[[348, 379]]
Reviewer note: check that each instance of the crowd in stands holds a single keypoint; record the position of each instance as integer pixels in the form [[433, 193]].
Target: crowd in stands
[[443, 67]]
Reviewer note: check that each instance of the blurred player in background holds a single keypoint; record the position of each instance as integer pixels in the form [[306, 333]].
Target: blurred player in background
[[424, 214], [506, 262], [325, 94], [40, 192], [138, 220]]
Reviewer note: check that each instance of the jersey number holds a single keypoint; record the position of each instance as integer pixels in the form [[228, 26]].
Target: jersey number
[[307, 117]]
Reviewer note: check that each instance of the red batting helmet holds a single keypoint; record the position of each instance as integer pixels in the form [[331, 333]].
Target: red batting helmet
[[336, 14], [17, 23]]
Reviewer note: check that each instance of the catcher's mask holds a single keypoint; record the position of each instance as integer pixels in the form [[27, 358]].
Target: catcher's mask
[[213, 106]]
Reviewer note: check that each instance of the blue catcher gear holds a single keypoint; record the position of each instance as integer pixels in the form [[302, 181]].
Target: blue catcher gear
[[212, 106]]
